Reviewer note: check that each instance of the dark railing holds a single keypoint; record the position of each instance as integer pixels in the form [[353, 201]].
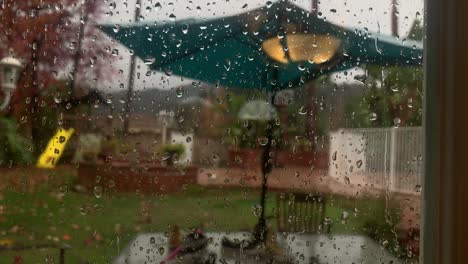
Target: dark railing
[[297, 212]]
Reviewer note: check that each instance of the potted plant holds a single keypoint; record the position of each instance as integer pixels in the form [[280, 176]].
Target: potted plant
[[247, 140], [108, 148], [172, 152], [14, 149], [301, 144]]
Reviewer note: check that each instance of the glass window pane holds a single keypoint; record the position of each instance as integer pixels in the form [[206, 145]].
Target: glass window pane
[[211, 131]]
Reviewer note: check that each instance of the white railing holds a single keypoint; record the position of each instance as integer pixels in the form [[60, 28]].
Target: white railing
[[388, 158]]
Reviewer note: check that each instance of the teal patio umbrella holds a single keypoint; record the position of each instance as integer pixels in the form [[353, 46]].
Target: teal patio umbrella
[[270, 48], [274, 47]]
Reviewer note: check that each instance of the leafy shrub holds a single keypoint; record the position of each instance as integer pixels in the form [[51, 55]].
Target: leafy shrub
[[14, 149], [109, 147], [89, 147], [383, 231], [173, 152], [247, 134]]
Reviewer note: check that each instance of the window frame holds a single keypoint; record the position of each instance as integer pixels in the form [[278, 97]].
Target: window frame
[[445, 212]]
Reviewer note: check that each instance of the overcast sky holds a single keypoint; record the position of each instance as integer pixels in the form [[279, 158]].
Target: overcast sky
[[373, 14]]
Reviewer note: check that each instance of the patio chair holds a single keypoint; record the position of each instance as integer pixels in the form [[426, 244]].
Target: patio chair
[[299, 212]]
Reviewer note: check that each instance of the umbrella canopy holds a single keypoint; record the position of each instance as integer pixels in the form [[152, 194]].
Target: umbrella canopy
[[274, 47]]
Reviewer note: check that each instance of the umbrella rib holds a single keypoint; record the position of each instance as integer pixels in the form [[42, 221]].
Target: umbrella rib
[[197, 50], [174, 59], [233, 36], [254, 45]]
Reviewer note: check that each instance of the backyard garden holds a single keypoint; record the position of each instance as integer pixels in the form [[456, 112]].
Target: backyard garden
[[48, 208]]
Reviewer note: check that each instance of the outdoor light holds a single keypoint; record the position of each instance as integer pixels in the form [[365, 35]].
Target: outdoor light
[[9, 74], [257, 110], [317, 49]]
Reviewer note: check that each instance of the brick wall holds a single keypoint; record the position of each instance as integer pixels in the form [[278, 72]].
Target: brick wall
[[125, 177]]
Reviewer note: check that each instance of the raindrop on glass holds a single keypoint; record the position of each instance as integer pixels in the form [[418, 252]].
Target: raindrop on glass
[[157, 6], [63, 189], [347, 180], [396, 122], [359, 163], [149, 60], [97, 191], [116, 28], [185, 29], [57, 99], [262, 141], [303, 110], [344, 217], [83, 210], [179, 92], [410, 102], [418, 188], [112, 5]]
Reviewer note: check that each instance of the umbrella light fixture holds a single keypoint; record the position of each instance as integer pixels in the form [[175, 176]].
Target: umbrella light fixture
[[257, 110], [10, 70], [196, 100], [316, 49]]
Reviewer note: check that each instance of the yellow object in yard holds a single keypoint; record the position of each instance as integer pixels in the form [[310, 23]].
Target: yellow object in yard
[[6, 243], [54, 149]]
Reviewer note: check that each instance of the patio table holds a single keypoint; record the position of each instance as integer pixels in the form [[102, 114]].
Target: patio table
[[301, 248]]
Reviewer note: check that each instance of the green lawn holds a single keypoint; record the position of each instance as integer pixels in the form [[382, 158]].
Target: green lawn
[[114, 219]]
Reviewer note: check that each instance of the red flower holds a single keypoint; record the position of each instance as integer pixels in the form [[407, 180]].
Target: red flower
[[18, 260]]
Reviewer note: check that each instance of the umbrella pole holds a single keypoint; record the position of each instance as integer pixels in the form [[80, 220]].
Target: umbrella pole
[[261, 228]]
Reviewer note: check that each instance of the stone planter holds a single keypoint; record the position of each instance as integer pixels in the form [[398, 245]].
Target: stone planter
[[252, 158], [145, 178], [302, 159], [245, 158]]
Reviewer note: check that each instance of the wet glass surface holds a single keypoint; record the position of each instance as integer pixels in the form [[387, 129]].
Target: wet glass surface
[[211, 131]]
